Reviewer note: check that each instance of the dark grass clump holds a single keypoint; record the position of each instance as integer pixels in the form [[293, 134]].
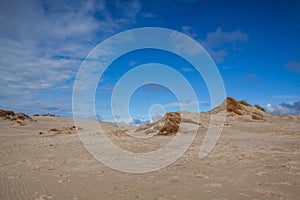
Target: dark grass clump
[[245, 103], [259, 107]]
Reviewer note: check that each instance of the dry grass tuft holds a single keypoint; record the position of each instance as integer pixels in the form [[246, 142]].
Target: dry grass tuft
[[64, 130], [116, 133], [256, 117], [172, 121], [233, 106], [245, 103], [10, 115], [259, 107]]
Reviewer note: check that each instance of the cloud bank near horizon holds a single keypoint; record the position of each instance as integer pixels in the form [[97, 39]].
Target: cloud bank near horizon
[[288, 108]]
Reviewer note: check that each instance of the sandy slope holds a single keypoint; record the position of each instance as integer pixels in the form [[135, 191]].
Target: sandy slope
[[252, 160]]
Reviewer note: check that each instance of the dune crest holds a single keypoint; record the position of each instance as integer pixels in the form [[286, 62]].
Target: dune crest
[[241, 109]]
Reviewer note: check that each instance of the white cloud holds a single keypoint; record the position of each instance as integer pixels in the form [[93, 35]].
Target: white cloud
[[42, 44], [132, 121], [285, 108], [218, 38], [139, 121], [129, 8], [156, 116], [189, 31], [219, 43], [180, 104]]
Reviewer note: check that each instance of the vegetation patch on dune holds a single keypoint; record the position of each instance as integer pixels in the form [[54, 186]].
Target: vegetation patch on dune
[[63, 130], [10, 115], [172, 121]]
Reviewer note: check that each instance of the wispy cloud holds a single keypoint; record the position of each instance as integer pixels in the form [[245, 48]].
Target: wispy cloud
[[180, 104], [187, 69], [132, 63], [219, 37], [217, 41], [284, 96], [154, 88], [219, 44], [285, 108], [293, 66], [189, 31], [251, 77]]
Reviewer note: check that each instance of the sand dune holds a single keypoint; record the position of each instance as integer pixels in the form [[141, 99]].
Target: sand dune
[[255, 158]]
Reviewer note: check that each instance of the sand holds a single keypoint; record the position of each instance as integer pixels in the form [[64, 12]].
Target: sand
[[253, 159]]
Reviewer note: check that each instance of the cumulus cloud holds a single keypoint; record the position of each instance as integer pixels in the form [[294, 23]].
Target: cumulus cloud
[[42, 44], [285, 108]]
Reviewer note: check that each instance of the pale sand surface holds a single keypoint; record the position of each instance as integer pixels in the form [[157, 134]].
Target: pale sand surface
[[252, 160]]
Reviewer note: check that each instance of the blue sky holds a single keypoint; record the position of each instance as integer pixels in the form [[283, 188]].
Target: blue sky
[[255, 45]]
